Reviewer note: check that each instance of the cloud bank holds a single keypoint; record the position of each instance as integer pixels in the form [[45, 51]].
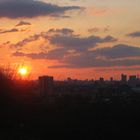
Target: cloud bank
[[74, 51], [22, 23], [31, 8], [13, 30], [134, 34]]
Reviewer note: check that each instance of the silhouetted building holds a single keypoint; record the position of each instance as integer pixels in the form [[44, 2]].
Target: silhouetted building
[[101, 79], [123, 78], [69, 79], [46, 85], [111, 79], [132, 78]]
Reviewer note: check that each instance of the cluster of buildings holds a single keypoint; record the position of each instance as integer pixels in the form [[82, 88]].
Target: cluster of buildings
[[132, 78], [47, 85]]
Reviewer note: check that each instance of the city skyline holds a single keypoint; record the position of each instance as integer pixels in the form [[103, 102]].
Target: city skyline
[[79, 39]]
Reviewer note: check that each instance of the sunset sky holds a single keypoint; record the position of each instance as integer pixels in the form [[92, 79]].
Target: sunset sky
[[81, 39]]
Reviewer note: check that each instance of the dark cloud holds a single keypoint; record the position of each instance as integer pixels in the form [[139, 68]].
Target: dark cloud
[[87, 62], [32, 8], [64, 31], [97, 63], [74, 51], [31, 55], [21, 23], [108, 39], [119, 69], [134, 34], [119, 55], [65, 38], [79, 43], [93, 59], [57, 54], [9, 31], [99, 29], [93, 30], [98, 58], [27, 40], [119, 51]]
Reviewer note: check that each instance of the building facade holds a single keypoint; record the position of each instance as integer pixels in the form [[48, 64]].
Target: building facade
[[46, 85]]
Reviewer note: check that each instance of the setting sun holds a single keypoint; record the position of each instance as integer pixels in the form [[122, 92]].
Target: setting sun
[[23, 71]]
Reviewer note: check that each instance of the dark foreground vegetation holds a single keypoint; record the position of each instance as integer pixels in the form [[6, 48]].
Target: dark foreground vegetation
[[24, 116], [67, 117]]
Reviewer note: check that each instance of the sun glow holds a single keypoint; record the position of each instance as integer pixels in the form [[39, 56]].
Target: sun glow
[[23, 71]]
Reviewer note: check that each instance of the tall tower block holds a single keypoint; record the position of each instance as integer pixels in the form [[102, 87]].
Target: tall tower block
[[46, 85]]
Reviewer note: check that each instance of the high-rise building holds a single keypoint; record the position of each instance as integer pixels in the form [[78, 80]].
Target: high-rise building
[[132, 78], [123, 78], [46, 85], [101, 79], [111, 79]]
